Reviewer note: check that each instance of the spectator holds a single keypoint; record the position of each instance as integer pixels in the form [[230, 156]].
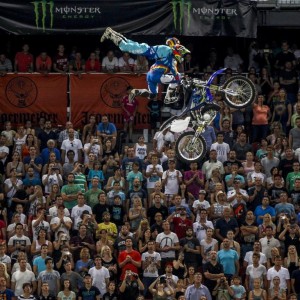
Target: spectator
[[5, 65], [233, 61], [60, 61], [110, 63], [43, 63], [107, 130], [77, 65], [195, 291], [126, 63], [24, 60], [88, 290], [92, 64], [72, 143]]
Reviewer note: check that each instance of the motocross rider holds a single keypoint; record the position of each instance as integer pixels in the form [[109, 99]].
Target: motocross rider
[[166, 58]]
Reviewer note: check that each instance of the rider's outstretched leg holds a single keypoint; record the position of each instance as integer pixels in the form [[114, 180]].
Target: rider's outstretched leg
[[112, 35]]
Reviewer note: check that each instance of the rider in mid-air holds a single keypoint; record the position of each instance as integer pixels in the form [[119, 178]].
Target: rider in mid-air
[[166, 58]]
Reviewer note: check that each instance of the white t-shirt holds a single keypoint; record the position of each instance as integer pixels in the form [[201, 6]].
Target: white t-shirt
[[63, 228], [200, 231], [153, 178], [99, 276], [222, 151], [77, 212], [172, 185], [42, 225], [14, 240], [110, 65], [122, 62], [140, 151], [151, 270], [52, 179], [248, 258], [74, 145], [200, 205], [53, 212], [167, 240], [283, 274], [19, 278], [95, 149]]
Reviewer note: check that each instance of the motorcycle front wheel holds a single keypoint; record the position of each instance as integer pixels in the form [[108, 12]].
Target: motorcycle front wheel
[[243, 87], [190, 148]]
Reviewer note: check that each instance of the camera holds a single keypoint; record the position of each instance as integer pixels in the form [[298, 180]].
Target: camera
[[66, 253], [162, 280], [222, 280]]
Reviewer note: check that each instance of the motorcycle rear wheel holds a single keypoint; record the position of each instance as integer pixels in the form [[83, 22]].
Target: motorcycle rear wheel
[[245, 89], [189, 148]]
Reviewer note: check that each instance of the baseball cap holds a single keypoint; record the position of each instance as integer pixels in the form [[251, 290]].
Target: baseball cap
[[202, 192]]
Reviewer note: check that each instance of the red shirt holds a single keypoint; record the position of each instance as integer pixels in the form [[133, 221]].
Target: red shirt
[[24, 61], [92, 65], [129, 105], [180, 226], [43, 65], [135, 255]]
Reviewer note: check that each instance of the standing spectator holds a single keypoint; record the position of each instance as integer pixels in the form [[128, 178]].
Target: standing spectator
[[294, 135], [221, 147], [242, 147], [150, 264], [46, 134], [233, 60], [293, 176], [129, 108], [110, 63], [194, 179], [131, 286], [24, 60], [22, 276], [88, 291], [197, 290], [171, 180], [61, 222], [229, 259], [212, 164], [71, 143], [288, 81], [107, 130], [70, 191], [129, 259], [284, 55], [261, 115], [64, 134], [167, 243], [60, 61], [269, 241], [43, 63], [281, 272], [264, 209], [269, 161], [100, 275]]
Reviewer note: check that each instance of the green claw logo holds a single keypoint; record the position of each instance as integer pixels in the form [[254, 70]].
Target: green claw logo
[[179, 5], [42, 7]]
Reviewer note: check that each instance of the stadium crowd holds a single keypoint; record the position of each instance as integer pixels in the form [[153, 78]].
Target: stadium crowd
[[81, 219]]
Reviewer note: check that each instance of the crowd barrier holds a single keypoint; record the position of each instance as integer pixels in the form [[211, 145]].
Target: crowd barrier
[[56, 96]]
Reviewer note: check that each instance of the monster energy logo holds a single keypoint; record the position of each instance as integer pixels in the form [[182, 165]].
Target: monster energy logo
[[41, 9], [179, 5]]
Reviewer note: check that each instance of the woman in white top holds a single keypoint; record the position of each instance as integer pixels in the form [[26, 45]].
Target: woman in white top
[[66, 293]]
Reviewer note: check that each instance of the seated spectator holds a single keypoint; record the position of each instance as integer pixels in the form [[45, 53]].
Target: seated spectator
[[110, 63], [126, 63], [43, 63], [107, 130], [89, 129], [77, 65], [46, 152], [60, 60], [141, 65], [92, 64], [5, 65]]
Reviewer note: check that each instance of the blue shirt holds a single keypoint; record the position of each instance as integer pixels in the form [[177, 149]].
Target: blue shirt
[[228, 258], [45, 154], [259, 211], [108, 128], [9, 294], [209, 136], [39, 262]]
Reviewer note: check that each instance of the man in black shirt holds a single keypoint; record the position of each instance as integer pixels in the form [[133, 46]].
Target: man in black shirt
[[157, 207], [212, 271], [88, 292], [191, 248]]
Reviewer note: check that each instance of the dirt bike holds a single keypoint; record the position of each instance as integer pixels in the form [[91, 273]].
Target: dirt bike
[[200, 111]]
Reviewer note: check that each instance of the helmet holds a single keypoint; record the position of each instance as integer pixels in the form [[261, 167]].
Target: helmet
[[171, 42], [179, 51]]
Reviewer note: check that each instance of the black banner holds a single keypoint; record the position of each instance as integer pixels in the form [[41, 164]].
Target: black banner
[[144, 17], [215, 18]]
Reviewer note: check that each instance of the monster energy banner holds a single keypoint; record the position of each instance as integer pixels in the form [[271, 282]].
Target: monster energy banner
[[215, 18], [185, 17]]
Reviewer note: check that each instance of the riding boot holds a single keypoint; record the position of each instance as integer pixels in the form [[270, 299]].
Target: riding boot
[[112, 35], [171, 96]]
